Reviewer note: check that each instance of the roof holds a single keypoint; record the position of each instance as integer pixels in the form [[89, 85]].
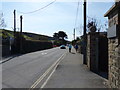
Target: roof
[[113, 8], [110, 10]]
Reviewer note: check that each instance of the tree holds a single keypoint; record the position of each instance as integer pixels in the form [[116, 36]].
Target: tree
[[60, 38], [77, 39], [94, 22], [55, 35], [2, 21], [62, 35]]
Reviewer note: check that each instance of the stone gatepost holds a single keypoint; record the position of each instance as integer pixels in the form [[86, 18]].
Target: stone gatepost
[[91, 49], [114, 45]]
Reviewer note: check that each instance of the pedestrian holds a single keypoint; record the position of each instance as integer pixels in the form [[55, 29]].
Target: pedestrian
[[76, 47], [70, 47]]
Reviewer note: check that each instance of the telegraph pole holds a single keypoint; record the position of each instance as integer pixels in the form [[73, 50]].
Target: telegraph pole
[[74, 33], [84, 17], [15, 42], [14, 24], [85, 37], [21, 24], [21, 33]]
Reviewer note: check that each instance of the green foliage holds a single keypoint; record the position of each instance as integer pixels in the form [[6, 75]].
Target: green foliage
[[0, 33], [55, 35], [10, 34], [77, 38], [77, 41], [60, 38], [58, 42], [62, 35], [28, 36]]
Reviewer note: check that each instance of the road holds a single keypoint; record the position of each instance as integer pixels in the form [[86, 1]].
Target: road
[[24, 70]]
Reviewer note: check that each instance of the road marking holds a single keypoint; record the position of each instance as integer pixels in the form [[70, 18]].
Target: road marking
[[47, 71], [47, 79], [43, 53], [52, 72]]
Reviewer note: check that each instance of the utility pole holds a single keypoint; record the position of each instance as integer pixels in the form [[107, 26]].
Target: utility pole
[[14, 49], [85, 37], [14, 23], [74, 33], [21, 33], [84, 17]]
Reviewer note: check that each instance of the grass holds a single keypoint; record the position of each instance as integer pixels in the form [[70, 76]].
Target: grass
[[28, 36]]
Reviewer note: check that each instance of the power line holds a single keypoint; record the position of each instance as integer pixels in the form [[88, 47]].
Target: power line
[[76, 19], [37, 9], [77, 14]]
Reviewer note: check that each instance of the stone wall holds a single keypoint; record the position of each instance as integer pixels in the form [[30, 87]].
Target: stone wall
[[88, 50], [114, 47], [114, 63], [96, 60], [91, 51]]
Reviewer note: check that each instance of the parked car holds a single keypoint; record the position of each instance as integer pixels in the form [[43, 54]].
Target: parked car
[[62, 47], [55, 46]]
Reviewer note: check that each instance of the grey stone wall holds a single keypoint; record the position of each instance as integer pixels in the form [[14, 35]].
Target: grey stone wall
[[114, 63], [88, 50], [114, 48], [91, 51], [97, 52]]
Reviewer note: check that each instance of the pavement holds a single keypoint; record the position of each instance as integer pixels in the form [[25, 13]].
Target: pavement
[[72, 73]]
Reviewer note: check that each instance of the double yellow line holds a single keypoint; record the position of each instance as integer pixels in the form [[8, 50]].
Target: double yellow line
[[48, 70]]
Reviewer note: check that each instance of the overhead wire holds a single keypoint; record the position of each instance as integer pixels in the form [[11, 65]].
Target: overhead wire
[[76, 19], [37, 9], [77, 14]]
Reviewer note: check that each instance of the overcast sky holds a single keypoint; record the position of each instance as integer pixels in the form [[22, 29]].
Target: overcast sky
[[56, 17]]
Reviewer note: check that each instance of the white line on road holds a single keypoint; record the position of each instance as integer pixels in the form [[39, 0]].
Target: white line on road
[[47, 71], [52, 72], [48, 79], [43, 53]]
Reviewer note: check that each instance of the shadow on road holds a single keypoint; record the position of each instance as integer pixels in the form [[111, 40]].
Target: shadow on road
[[9, 58]]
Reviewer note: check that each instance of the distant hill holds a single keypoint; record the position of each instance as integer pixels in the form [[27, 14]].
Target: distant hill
[[27, 35]]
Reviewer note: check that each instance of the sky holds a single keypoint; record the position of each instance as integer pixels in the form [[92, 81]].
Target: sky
[[59, 16]]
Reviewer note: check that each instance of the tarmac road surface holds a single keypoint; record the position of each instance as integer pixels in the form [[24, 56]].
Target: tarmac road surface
[[23, 71]]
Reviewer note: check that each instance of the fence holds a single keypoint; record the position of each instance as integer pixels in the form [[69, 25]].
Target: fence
[[26, 47]]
